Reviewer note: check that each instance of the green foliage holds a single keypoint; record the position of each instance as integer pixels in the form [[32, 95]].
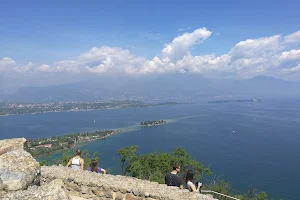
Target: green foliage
[[218, 186], [223, 187], [126, 153], [44, 162], [154, 166], [261, 196], [60, 143], [253, 194]]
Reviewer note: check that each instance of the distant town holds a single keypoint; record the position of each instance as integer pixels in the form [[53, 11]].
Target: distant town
[[34, 108]]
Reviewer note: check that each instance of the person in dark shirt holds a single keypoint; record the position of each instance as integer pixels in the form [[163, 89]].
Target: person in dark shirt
[[172, 179]]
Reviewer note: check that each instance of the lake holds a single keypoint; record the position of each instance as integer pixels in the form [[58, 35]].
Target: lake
[[249, 144]]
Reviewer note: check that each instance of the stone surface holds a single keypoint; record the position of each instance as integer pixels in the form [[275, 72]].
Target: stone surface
[[51, 191], [18, 169], [1, 184], [11, 144], [114, 187], [78, 198]]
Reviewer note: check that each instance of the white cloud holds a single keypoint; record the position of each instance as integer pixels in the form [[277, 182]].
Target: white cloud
[[292, 38], [266, 55], [7, 64], [203, 64], [256, 47], [23, 69], [290, 55], [292, 70], [107, 59], [180, 46], [44, 68]]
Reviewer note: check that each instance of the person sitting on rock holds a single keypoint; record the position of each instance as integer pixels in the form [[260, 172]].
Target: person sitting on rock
[[76, 162], [172, 179], [189, 182], [94, 167]]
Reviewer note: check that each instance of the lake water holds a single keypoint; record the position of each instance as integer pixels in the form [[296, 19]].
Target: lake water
[[248, 144]]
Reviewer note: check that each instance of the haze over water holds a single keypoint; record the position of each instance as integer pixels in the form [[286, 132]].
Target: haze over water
[[247, 144]]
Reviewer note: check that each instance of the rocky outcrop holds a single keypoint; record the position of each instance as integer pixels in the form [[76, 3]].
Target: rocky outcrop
[[51, 191], [18, 169], [91, 185], [20, 180]]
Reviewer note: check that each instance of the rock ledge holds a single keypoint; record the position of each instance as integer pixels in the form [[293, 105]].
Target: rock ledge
[[90, 185]]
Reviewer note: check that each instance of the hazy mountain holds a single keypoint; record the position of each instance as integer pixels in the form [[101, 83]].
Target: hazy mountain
[[176, 85], [262, 85]]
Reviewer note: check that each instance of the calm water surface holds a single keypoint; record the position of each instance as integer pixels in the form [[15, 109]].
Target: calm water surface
[[247, 144]]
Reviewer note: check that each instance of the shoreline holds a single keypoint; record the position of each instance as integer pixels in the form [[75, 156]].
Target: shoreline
[[116, 131], [82, 110], [7, 115]]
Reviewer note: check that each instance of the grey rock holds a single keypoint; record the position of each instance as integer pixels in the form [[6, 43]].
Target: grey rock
[[11, 144], [18, 169], [1, 184], [136, 192], [84, 189], [146, 194], [51, 191]]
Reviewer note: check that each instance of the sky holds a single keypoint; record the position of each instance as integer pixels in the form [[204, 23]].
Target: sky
[[49, 42]]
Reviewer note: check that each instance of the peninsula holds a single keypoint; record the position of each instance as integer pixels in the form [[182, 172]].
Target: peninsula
[[44, 146], [153, 123]]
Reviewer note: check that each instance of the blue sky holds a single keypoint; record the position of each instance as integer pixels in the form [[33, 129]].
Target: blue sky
[[47, 32]]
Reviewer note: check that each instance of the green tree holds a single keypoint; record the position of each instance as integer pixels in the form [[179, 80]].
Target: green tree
[[154, 166], [261, 196], [126, 153], [223, 187]]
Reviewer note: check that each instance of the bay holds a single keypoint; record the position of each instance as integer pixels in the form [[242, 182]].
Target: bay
[[248, 144]]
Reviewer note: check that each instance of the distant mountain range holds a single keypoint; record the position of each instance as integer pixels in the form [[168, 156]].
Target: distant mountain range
[[177, 85]]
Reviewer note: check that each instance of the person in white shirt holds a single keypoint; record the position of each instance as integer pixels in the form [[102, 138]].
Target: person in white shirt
[[76, 162]]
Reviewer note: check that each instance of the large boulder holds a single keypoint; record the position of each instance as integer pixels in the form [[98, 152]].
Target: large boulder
[[18, 169]]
